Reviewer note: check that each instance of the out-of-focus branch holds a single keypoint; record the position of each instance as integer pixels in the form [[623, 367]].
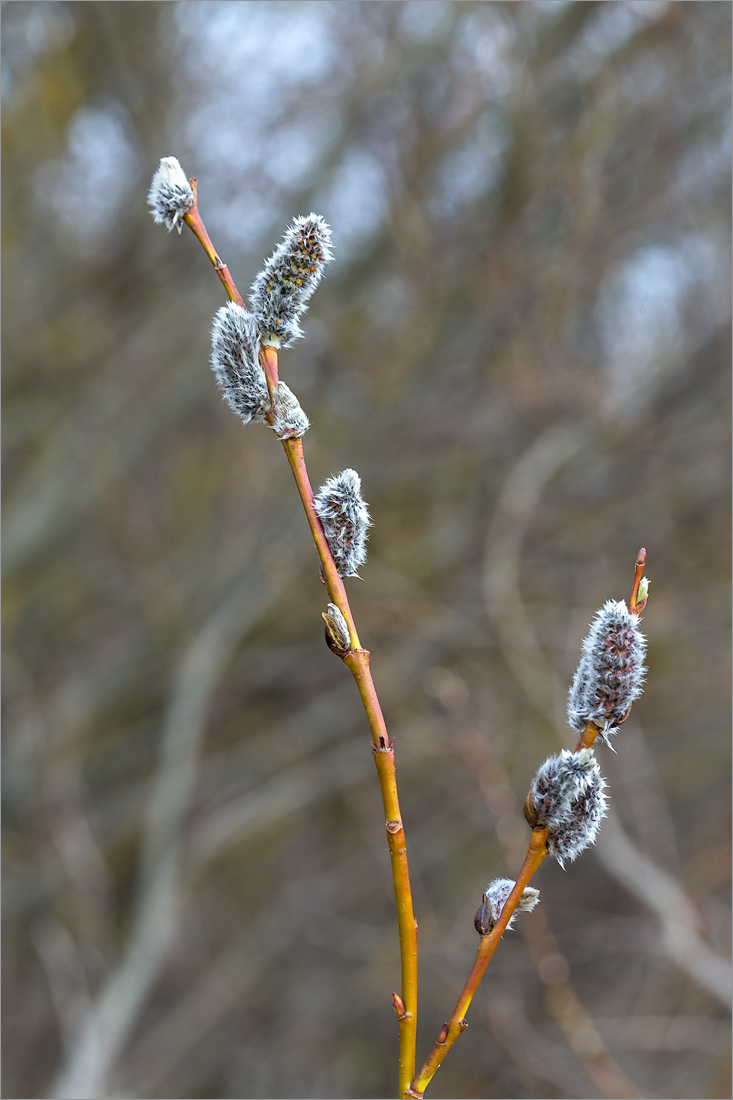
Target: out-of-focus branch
[[104, 1031], [661, 893], [517, 504]]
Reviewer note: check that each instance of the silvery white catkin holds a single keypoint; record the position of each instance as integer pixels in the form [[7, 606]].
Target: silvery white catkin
[[345, 518], [610, 674], [567, 796], [558, 781], [495, 898], [171, 195], [586, 813], [235, 345], [280, 293]]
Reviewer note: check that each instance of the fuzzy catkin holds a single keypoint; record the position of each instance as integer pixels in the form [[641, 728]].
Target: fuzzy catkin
[[586, 812], [610, 674], [171, 195], [234, 360], [279, 294], [567, 796], [558, 781], [345, 518]]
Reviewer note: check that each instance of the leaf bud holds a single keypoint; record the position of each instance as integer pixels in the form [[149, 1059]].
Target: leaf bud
[[495, 898]]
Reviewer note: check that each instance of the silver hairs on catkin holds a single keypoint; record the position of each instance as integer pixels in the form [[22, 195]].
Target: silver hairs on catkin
[[495, 898], [567, 796], [610, 674], [171, 195], [279, 295], [345, 518], [235, 344]]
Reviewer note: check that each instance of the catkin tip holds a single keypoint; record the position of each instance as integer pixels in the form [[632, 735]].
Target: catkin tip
[[170, 196]]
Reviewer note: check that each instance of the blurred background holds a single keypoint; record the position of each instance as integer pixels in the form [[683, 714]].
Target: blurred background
[[523, 347]]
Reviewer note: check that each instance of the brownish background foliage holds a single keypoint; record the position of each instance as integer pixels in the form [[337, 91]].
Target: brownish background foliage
[[523, 348]]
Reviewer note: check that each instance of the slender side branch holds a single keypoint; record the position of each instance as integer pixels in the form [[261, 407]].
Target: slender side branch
[[582, 833], [457, 1024]]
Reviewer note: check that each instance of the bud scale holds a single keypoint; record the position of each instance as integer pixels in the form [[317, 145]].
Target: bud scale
[[495, 898]]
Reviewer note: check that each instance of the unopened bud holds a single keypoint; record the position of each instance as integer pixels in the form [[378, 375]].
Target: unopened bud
[[290, 420], [337, 632], [495, 898]]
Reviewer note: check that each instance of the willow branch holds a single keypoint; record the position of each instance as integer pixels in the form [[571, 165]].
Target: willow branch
[[357, 661], [535, 854]]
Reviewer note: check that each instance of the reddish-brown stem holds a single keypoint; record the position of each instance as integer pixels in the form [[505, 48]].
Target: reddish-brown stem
[[194, 222], [335, 586], [536, 852], [634, 605], [268, 359], [357, 660], [587, 737]]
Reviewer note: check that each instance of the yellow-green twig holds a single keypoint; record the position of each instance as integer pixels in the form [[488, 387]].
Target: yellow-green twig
[[357, 660]]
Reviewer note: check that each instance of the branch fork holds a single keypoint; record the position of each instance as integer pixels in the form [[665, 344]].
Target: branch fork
[[615, 633]]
